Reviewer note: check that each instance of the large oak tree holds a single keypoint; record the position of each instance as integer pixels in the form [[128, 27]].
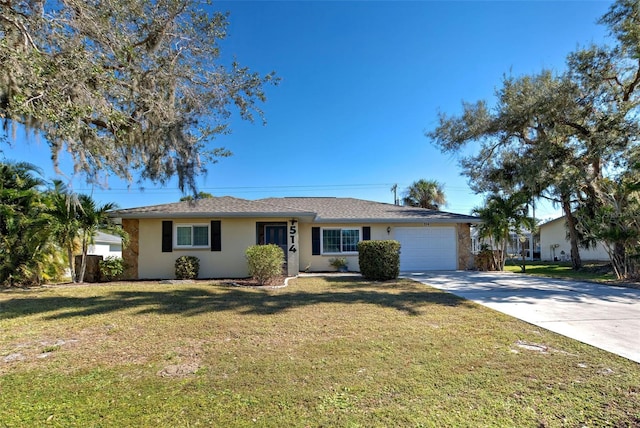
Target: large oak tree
[[125, 87], [559, 136]]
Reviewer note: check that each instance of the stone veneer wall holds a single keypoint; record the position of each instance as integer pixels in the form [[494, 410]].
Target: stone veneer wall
[[131, 251], [465, 256]]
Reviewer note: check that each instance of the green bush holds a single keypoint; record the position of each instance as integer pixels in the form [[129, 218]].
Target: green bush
[[379, 260], [265, 262], [340, 263], [111, 268], [187, 267]]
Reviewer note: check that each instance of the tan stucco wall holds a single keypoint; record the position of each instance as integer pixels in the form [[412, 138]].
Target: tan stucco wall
[[320, 263], [146, 260], [237, 236], [555, 233]]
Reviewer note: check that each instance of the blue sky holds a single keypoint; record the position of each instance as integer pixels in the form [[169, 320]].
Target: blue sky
[[361, 83]]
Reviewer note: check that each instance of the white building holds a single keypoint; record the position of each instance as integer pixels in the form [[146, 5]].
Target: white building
[[515, 246], [555, 245], [106, 245]]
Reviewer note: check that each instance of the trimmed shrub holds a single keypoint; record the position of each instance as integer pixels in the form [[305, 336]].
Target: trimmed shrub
[[111, 268], [379, 260], [187, 267], [265, 262]]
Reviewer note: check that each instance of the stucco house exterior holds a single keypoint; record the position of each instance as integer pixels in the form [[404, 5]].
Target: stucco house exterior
[[106, 245], [310, 230], [554, 245]]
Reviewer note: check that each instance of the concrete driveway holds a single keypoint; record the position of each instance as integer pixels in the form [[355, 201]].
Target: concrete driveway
[[602, 316]]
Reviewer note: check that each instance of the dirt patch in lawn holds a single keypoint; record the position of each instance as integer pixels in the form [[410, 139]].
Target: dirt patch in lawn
[[279, 281]]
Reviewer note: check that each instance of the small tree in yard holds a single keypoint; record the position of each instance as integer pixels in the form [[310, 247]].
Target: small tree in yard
[[265, 262], [65, 210], [502, 214], [92, 218]]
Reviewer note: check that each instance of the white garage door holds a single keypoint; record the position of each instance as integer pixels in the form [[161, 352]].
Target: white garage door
[[427, 248]]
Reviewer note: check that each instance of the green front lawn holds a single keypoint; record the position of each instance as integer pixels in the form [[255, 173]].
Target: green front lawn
[[321, 352], [590, 271]]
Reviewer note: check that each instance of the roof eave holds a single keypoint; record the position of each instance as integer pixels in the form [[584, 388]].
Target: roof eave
[[397, 220]]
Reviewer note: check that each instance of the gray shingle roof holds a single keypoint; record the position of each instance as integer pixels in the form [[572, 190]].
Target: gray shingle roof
[[225, 206], [337, 210], [320, 210], [106, 238]]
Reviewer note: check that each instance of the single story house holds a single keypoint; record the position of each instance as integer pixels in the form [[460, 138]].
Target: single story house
[[555, 245], [310, 230], [106, 245]]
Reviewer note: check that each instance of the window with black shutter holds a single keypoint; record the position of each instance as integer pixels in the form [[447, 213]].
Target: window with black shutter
[[167, 236]]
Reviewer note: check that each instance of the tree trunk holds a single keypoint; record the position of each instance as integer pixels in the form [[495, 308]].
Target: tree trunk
[[71, 264], [83, 264], [503, 255], [576, 262], [83, 268], [622, 260], [494, 256]]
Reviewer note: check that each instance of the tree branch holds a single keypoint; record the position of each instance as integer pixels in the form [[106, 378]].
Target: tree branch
[[583, 130], [632, 85], [28, 40]]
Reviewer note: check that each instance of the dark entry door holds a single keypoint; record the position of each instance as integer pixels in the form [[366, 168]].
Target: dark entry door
[[276, 234]]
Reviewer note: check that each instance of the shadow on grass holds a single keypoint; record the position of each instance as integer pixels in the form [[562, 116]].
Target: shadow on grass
[[239, 300]]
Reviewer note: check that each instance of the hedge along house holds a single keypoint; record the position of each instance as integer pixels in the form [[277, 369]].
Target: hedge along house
[[311, 231]]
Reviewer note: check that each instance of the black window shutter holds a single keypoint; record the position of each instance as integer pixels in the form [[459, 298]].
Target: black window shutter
[[167, 236], [366, 233], [315, 241], [216, 235]]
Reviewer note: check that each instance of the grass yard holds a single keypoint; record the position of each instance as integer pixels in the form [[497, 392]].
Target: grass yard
[[321, 352], [600, 271]]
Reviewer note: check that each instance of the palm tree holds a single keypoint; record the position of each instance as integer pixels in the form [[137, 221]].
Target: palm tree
[[500, 216], [92, 218], [65, 210], [425, 194], [24, 224]]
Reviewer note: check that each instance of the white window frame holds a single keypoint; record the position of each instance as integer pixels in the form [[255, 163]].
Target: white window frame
[[322, 229], [190, 225]]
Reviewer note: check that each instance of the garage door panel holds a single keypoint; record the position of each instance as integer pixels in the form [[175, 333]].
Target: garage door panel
[[427, 248]]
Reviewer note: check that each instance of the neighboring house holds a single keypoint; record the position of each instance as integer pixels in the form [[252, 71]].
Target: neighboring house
[[514, 246], [555, 246], [310, 231], [106, 245]]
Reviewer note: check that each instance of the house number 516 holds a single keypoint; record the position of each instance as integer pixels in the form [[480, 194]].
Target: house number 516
[[293, 229]]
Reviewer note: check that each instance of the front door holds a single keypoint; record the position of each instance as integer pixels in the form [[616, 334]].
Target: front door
[[277, 234]]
